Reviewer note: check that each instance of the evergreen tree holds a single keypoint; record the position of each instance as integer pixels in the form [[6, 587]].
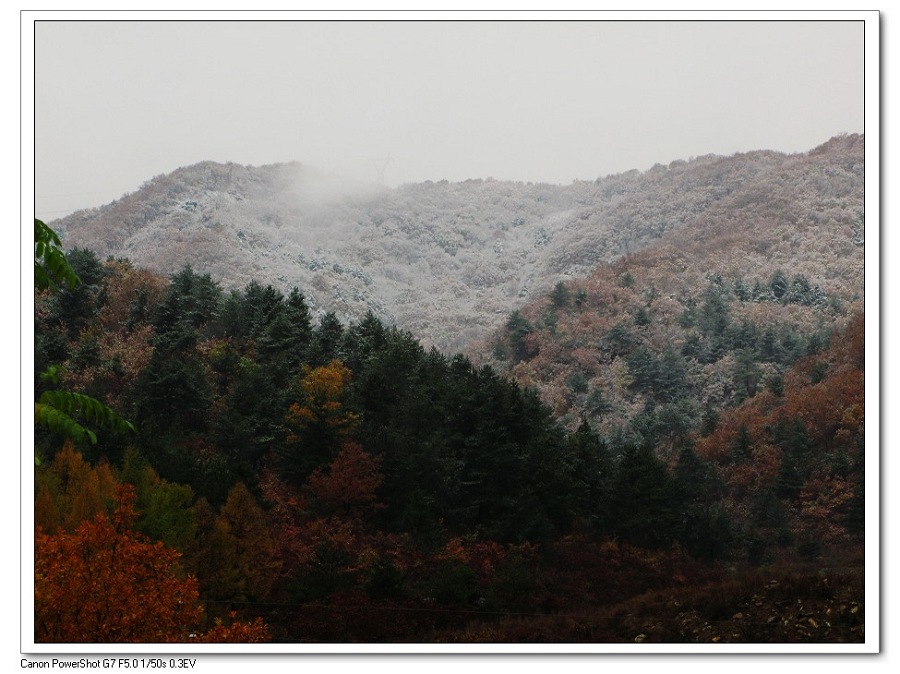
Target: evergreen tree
[[191, 301], [709, 420], [171, 393], [247, 421], [642, 499], [591, 466], [779, 285], [641, 316], [713, 316], [286, 336], [643, 368], [75, 307], [326, 341], [560, 296], [704, 528], [793, 439], [670, 381], [745, 374], [619, 341], [518, 328]]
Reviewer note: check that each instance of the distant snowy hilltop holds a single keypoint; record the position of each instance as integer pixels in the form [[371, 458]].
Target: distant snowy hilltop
[[450, 261]]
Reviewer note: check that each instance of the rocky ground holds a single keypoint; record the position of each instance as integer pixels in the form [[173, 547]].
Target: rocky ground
[[788, 608]]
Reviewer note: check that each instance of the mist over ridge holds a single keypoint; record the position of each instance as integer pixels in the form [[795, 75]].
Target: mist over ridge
[[449, 261]]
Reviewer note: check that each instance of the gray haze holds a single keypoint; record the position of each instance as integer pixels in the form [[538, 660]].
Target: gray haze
[[117, 103]]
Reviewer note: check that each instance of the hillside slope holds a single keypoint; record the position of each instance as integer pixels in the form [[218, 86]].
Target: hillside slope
[[709, 313], [449, 261]]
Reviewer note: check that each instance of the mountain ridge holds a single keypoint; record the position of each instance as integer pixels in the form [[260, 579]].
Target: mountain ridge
[[447, 261]]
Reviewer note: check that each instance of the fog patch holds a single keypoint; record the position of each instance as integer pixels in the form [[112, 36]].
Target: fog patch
[[316, 189]]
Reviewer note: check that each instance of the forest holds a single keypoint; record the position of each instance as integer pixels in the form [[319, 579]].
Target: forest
[[228, 466], [450, 261]]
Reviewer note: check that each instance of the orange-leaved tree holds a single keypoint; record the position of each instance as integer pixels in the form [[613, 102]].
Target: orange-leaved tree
[[236, 556], [319, 423], [106, 583], [322, 388], [69, 490], [350, 485]]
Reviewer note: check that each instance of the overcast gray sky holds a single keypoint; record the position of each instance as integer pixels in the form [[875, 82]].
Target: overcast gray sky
[[117, 103]]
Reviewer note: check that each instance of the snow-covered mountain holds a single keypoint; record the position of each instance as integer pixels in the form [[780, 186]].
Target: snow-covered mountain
[[450, 261]]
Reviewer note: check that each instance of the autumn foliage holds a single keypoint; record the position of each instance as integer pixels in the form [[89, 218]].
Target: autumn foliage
[[105, 583], [322, 388], [350, 484], [235, 554], [319, 422], [345, 484], [71, 491]]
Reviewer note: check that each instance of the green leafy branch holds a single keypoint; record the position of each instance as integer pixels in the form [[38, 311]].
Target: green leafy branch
[[50, 264], [59, 411], [64, 412]]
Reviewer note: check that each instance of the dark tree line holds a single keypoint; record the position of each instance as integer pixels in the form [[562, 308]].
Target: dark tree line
[[297, 460], [462, 450]]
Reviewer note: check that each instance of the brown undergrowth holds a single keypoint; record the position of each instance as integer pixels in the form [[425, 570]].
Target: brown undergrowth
[[785, 603]]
